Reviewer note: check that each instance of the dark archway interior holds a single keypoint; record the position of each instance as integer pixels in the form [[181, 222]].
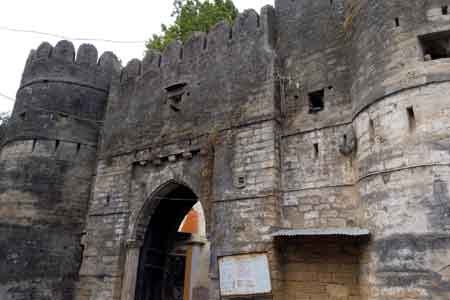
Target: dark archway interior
[[160, 271]]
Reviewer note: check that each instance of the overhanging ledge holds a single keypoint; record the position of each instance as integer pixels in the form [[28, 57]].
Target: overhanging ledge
[[349, 231]]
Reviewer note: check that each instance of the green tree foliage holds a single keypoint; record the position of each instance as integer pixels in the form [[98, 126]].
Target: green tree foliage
[[191, 16]]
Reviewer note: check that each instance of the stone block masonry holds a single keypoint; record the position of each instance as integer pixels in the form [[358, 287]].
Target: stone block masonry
[[314, 114]]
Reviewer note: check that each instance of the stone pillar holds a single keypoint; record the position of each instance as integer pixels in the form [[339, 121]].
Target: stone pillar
[[131, 270]]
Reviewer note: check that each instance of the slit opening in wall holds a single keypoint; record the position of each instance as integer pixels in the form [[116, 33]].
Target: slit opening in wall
[[316, 103], [371, 130], [78, 148], [444, 9], [435, 45], [397, 22], [33, 147], [411, 118], [57, 142], [316, 150], [205, 43], [82, 248]]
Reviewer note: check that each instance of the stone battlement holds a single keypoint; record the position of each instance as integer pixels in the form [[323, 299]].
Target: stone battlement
[[222, 40], [310, 116], [62, 64]]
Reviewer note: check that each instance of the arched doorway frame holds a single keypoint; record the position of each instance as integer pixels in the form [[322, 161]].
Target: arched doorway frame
[[137, 230]]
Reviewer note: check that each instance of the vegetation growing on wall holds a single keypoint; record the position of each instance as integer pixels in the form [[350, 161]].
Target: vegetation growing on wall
[[191, 16], [353, 9]]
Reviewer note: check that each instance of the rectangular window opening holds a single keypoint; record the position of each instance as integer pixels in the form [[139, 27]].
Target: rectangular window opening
[[397, 22], [435, 45], [57, 144], [411, 118], [444, 10], [316, 103], [78, 148]]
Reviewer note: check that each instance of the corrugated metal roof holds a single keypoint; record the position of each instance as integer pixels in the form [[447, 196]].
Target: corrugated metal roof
[[352, 231]]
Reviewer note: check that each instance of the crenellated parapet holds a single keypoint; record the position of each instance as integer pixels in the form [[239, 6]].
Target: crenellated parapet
[[47, 162], [248, 29], [63, 94], [330, 118], [62, 64], [195, 86]]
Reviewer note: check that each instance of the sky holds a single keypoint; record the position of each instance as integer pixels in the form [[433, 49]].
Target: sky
[[131, 20]]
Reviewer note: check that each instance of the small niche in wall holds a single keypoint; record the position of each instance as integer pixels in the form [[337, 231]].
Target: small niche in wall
[[78, 148], [57, 142], [444, 10], [240, 181], [435, 45], [316, 103], [175, 95], [397, 22], [411, 118], [23, 115]]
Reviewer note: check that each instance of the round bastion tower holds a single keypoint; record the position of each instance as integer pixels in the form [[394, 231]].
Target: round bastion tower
[[47, 162], [401, 106]]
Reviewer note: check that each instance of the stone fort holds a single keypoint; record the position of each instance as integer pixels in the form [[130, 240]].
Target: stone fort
[[314, 136]]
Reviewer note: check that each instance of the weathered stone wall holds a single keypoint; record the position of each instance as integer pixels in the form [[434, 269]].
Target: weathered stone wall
[[394, 179], [400, 105], [221, 142], [317, 179], [321, 268], [223, 79], [228, 115], [403, 182], [46, 165]]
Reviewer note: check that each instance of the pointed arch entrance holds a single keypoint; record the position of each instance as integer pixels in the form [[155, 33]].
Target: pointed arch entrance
[[165, 237]]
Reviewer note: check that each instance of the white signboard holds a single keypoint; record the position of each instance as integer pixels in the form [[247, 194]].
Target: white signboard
[[242, 275]]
